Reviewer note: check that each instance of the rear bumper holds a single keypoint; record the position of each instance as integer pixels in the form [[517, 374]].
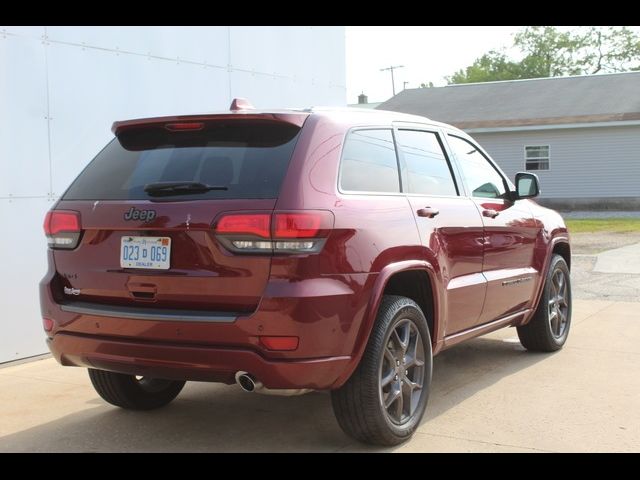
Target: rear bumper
[[324, 313], [192, 362]]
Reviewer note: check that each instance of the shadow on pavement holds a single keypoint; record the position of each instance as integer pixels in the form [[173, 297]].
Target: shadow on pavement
[[218, 418]]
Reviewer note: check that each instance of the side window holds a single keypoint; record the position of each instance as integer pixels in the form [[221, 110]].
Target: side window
[[480, 177], [428, 171], [369, 162]]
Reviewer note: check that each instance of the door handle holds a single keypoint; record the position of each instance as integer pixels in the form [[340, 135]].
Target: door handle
[[490, 213], [428, 212]]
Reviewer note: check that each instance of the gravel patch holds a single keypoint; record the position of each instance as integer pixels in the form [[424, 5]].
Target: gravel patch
[[594, 243], [587, 284]]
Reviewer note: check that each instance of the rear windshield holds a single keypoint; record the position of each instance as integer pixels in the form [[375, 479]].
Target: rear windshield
[[249, 158]]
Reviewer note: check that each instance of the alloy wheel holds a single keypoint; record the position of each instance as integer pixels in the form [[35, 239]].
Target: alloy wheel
[[558, 309], [402, 372]]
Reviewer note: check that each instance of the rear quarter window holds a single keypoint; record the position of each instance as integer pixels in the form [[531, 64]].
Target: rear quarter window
[[249, 158], [369, 162]]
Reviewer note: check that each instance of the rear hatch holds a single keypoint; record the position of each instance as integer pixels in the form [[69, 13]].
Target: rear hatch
[[159, 186]]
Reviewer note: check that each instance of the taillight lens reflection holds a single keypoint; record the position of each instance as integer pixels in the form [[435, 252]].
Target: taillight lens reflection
[[245, 224], [59, 221], [297, 225]]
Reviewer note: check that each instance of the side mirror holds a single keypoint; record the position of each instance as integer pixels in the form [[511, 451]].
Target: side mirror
[[527, 185]]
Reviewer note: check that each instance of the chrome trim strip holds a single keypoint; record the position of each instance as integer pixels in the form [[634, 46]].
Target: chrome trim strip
[[516, 281]]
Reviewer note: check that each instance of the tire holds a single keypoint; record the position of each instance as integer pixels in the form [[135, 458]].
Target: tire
[[126, 391], [548, 329], [358, 404]]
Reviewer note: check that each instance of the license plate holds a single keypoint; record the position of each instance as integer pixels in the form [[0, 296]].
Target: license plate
[[145, 252]]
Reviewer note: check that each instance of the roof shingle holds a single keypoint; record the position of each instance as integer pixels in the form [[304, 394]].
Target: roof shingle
[[557, 100]]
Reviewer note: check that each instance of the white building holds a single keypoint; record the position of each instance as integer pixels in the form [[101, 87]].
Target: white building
[[62, 87]]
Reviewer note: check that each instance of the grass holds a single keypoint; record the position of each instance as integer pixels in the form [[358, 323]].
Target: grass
[[617, 225]]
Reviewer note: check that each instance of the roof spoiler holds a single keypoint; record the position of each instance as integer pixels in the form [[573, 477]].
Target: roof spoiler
[[240, 108]]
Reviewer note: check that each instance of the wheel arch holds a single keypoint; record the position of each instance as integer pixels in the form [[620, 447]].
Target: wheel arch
[[562, 248], [393, 279], [558, 245]]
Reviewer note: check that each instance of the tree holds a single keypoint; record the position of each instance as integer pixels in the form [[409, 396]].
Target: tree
[[549, 52], [611, 49], [490, 67]]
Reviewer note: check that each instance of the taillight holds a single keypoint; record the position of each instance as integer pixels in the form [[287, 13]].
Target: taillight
[[62, 228], [297, 225], [246, 224], [280, 232]]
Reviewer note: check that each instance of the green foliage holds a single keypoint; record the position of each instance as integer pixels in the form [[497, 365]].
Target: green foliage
[[549, 52], [610, 49], [490, 67], [620, 225]]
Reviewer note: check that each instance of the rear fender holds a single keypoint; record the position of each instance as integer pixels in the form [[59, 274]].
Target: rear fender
[[374, 303]]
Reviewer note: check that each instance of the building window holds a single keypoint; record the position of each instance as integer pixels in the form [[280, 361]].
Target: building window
[[536, 157]]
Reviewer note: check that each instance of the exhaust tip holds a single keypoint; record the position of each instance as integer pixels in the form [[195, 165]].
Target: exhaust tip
[[249, 383], [246, 381]]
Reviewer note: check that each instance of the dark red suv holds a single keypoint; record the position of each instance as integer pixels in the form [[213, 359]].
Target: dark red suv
[[296, 250]]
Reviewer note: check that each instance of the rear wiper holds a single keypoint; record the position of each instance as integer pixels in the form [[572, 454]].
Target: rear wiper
[[180, 188]]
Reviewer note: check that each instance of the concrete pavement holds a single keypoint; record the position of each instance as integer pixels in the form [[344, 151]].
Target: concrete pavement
[[606, 266], [619, 260], [487, 395]]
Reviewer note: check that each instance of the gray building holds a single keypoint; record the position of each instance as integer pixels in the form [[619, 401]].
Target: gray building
[[581, 135]]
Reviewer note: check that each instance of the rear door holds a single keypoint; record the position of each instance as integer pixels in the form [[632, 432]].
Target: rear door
[[245, 159], [449, 224], [509, 229]]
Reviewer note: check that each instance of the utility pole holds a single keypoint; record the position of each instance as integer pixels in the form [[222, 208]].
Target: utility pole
[[391, 69]]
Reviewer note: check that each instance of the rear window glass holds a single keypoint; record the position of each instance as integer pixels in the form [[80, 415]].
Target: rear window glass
[[249, 158]]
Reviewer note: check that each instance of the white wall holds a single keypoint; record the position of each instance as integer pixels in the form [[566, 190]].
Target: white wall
[[62, 87]]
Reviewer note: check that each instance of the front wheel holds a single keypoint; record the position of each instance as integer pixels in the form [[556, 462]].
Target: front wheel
[[385, 398], [134, 393], [548, 330]]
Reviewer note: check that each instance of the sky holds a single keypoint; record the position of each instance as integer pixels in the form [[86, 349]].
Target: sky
[[427, 53]]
